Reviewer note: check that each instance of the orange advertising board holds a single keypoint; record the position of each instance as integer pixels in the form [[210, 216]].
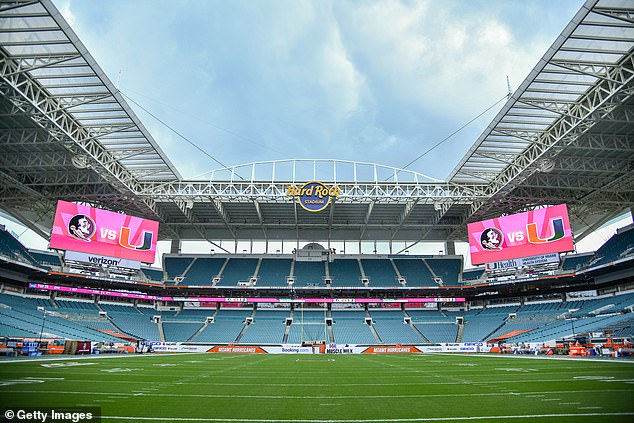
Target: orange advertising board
[[392, 349]]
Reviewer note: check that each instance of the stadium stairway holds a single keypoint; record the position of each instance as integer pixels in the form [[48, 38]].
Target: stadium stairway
[[117, 327], [287, 331], [137, 310], [246, 326], [460, 330], [161, 332], [257, 270], [362, 270], [414, 328], [292, 274], [198, 332], [434, 275], [398, 274], [331, 334], [203, 327], [136, 328], [183, 276], [244, 329], [372, 329], [217, 278], [495, 330], [180, 330], [421, 334]]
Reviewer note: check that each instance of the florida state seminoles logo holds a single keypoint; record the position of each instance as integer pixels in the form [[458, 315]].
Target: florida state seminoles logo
[[491, 239], [82, 227]]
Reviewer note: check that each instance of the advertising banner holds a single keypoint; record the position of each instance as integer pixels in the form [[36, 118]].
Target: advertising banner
[[523, 262], [464, 347], [223, 300], [95, 231], [237, 349], [295, 349], [333, 349], [532, 233], [392, 349], [341, 349], [102, 261], [102, 292], [166, 346]]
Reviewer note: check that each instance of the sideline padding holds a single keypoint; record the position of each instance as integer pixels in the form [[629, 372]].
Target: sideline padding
[[181, 347]]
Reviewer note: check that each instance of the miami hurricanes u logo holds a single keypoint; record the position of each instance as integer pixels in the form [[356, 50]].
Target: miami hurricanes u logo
[[124, 240], [557, 230]]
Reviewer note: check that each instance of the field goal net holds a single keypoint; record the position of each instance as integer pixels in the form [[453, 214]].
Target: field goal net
[[314, 329]]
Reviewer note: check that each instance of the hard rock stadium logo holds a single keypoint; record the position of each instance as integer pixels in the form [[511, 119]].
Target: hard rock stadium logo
[[313, 196]]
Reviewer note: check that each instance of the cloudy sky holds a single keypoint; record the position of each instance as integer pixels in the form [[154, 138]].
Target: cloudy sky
[[374, 81]]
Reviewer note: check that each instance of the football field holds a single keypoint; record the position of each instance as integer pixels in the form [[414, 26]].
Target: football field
[[326, 388]]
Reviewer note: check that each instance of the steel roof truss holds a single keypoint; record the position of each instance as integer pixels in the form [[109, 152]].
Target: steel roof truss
[[576, 121]]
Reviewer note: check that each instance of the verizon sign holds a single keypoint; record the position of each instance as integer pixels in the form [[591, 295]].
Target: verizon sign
[[101, 261]]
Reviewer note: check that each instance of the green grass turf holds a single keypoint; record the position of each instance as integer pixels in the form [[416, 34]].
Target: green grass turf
[[355, 388]]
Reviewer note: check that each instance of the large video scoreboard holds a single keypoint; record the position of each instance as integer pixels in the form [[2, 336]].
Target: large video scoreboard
[[95, 231], [533, 233]]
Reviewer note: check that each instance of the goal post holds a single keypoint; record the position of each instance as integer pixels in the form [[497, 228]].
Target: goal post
[[313, 332]]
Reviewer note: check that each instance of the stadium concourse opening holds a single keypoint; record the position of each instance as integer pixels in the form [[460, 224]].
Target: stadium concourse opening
[[412, 289]]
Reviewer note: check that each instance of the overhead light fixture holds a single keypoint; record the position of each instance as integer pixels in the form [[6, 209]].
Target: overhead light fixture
[[80, 161], [546, 165]]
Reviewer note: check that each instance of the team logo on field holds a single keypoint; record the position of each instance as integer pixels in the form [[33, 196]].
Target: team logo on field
[[313, 196]]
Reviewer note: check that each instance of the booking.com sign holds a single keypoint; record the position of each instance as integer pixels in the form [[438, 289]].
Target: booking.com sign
[[313, 196]]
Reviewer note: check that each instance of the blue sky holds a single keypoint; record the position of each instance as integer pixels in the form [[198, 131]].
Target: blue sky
[[373, 81]]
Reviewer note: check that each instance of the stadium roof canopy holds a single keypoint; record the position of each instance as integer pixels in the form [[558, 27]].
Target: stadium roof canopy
[[565, 136]]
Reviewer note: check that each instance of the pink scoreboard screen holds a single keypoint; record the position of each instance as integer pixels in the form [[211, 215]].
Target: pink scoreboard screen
[[532, 233], [96, 231]]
